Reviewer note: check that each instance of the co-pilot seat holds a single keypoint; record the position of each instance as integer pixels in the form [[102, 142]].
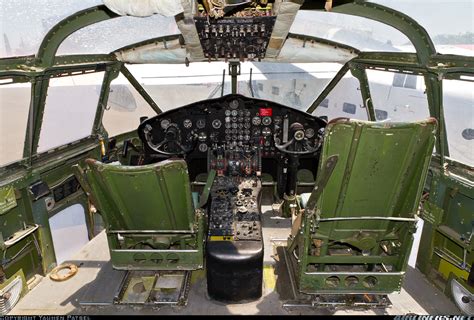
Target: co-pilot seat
[[150, 219], [355, 231]]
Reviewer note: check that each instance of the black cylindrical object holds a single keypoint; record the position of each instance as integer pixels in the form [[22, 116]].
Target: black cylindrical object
[[234, 270]]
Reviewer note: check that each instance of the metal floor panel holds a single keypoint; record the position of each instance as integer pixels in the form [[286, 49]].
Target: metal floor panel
[[97, 282]]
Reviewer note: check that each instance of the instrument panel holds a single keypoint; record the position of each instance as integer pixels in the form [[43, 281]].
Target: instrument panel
[[232, 122]]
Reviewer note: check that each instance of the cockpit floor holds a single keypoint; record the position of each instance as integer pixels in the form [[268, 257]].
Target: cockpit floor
[[96, 282]]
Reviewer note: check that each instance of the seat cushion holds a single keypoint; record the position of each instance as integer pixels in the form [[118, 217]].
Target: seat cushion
[[304, 197]]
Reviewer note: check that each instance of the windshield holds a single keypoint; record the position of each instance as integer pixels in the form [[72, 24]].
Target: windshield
[[449, 23], [106, 36], [360, 33], [293, 85], [24, 23]]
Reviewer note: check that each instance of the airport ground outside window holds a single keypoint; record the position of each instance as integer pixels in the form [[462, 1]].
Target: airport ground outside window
[[70, 109], [125, 106], [14, 108], [398, 97], [344, 100], [458, 107]]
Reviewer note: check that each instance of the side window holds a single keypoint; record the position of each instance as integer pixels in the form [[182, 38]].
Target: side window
[[401, 80], [381, 114], [324, 103], [260, 86], [345, 100], [458, 105], [395, 96], [275, 90], [14, 108], [124, 108], [70, 109], [349, 108]]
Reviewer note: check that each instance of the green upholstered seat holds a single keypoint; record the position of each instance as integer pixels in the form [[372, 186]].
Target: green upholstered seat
[[356, 230], [151, 217]]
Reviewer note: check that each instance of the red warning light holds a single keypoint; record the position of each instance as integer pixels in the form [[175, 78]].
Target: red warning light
[[266, 112]]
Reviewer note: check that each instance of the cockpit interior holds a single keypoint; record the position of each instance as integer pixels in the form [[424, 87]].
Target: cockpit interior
[[236, 156]]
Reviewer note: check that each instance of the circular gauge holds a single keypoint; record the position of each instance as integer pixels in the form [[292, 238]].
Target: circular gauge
[[241, 125], [234, 131], [241, 113], [165, 123], [201, 123], [247, 113], [234, 119], [216, 123], [228, 138], [247, 125], [235, 113], [234, 104], [227, 131], [247, 131], [247, 137], [266, 121], [299, 135], [187, 123], [203, 147], [202, 136], [234, 125], [309, 133], [256, 121], [277, 120], [228, 125], [266, 131], [241, 119], [256, 132], [228, 113], [234, 137]]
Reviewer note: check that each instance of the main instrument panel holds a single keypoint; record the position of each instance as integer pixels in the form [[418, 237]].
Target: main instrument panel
[[229, 123]]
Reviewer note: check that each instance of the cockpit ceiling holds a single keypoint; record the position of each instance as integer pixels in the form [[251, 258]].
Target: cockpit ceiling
[[249, 31]]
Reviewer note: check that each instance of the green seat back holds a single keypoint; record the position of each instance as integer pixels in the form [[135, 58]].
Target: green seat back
[[380, 172], [359, 221], [150, 197]]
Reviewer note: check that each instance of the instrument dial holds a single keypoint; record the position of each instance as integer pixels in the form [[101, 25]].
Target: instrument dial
[[201, 123], [235, 113], [187, 123], [234, 104], [278, 120], [256, 121], [266, 131], [202, 136], [309, 133], [266, 121], [203, 147], [216, 123], [228, 113], [165, 123]]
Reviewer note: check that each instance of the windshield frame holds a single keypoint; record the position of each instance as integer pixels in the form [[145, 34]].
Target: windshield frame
[[434, 67]]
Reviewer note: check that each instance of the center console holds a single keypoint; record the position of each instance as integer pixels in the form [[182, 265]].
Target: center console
[[234, 251]]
